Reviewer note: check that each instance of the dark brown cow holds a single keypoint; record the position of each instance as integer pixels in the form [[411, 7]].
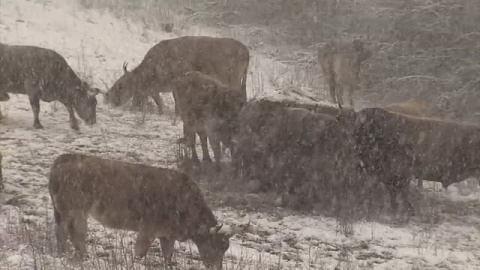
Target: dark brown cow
[[209, 108], [43, 74], [293, 150], [155, 202], [255, 122], [225, 59], [395, 147], [340, 62]]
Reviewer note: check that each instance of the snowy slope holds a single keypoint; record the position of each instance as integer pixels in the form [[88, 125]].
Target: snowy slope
[[95, 44]]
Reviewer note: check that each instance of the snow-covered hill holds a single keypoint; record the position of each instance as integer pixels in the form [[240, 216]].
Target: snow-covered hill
[[96, 44]]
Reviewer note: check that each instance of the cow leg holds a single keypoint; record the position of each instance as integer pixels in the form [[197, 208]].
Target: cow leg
[[158, 100], [73, 119], [190, 139], [204, 143], [61, 231], [175, 99], [217, 151], [138, 101], [167, 245], [78, 233], [393, 199], [339, 92], [331, 83], [143, 243], [35, 103], [408, 207], [420, 183]]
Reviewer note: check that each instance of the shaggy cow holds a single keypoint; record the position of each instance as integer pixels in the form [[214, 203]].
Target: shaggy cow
[[340, 62], [293, 150], [209, 108], [255, 122], [225, 59], [395, 147], [155, 202], [43, 74]]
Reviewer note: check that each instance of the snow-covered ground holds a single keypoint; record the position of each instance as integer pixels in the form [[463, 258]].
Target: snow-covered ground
[[96, 44]]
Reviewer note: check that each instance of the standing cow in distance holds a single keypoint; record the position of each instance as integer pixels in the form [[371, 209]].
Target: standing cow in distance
[[43, 74], [225, 59], [155, 202], [207, 108], [340, 62]]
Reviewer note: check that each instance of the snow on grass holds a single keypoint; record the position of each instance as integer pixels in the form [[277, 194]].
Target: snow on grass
[[95, 44]]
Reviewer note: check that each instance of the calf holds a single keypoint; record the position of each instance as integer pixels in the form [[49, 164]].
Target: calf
[[155, 202], [43, 74], [207, 107]]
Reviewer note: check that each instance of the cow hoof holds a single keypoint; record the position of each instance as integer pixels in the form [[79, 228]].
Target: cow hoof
[[75, 127], [207, 160], [37, 126]]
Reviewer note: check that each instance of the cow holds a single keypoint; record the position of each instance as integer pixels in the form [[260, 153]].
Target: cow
[[290, 149], [43, 74], [155, 202], [395, 147], [255, 121], [410, 107], [225, 59], [340, 62], [208, 108]]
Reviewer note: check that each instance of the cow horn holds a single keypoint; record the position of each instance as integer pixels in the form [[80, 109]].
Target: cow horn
[[217, 229], [125, 64], [93, 91]]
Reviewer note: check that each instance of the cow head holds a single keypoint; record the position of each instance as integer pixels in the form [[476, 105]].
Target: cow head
[[122, 90], [85, 103], [214, 242]]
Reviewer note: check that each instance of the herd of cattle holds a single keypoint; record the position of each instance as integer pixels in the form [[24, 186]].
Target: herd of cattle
[[314, 153]]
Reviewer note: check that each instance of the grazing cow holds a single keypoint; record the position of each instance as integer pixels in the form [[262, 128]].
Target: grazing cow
[[209, 108], [43, 74], [155, 202], [410, 107], [225, 59], [395, 147], [289, 148], [255, 122], [340, 62]]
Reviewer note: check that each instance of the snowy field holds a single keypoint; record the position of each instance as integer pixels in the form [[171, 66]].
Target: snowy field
[[95, 44]]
